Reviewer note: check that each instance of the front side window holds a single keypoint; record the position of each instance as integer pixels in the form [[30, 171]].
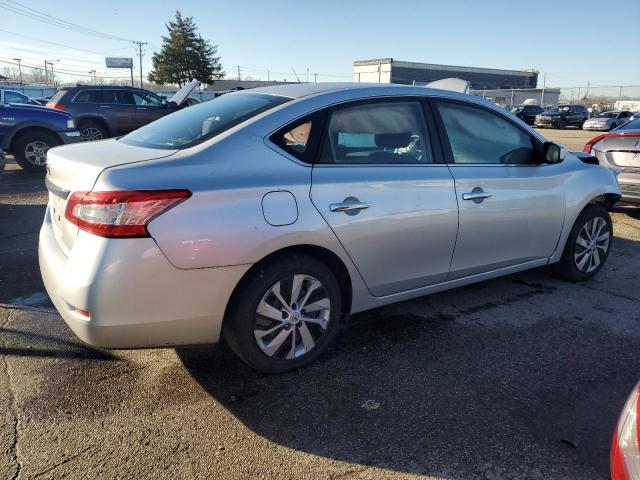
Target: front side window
[[144, 99], [477, 136], [193, 125], [377, 133]]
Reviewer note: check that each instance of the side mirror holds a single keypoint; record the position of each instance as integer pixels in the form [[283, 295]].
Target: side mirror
[[554, 153]]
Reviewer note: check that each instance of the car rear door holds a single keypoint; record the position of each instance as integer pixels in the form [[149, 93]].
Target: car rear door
[[380, 183], [148, 108], [511, 209]]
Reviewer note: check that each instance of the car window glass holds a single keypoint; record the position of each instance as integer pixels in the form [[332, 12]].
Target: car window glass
[[144, 99], [124, 97], [632, 125], [297, 138], [479, 136], [15, 97], [378, 133]]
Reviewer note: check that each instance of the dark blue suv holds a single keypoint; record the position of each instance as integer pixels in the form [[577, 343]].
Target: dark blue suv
[[28, 132]]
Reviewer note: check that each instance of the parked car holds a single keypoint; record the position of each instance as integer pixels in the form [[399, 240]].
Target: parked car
[[208, 221], [562, 116], [625, 457], [3, 162], [620, 150], [527, 113], [10, 96], [112, 111], [190, 101], [606, 121], [634, 116], [28, 132]]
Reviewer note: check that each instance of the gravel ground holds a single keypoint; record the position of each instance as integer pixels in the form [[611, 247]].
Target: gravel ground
[[516, 378]]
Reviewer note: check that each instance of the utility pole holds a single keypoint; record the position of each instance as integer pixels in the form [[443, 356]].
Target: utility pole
[[619, 97], [315, 77], [586, 95], [307, 75], [46, 80], [268, 76], [53, 78], [544, 85], [19, 68], [239, 77], [92, 75], [140, 53]]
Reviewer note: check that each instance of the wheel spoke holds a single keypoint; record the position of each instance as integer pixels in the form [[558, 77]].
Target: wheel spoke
[[322, 304], [278, 294], [259, 334], [307, 339], [318, 321], [298, 280], [313, 286], [596, 258], [269, 311], [585, 258], [274, 345], [581, 241], [292, 350]]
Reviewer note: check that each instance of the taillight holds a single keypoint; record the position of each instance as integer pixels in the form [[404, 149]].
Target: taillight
[[59, 106], [121, 213], [625, 450], [587, 148]]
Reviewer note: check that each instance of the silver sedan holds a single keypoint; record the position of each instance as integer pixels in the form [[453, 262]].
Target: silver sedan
[[268, 216]]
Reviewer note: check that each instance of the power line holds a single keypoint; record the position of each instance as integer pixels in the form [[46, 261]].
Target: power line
[[57, 22], [52, 43]]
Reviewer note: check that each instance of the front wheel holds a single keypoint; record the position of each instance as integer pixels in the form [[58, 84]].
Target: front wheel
[[91, 130], [588, 245], [285, 315], [30, 150]]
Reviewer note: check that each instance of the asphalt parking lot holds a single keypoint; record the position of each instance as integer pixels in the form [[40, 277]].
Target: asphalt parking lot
[[516, 378]]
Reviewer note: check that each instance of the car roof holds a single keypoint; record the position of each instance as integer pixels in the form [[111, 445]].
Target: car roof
[[102, 87], [298, 90]]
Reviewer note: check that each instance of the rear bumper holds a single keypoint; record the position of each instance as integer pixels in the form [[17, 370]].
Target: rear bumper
[[135, 297], [630, 190]]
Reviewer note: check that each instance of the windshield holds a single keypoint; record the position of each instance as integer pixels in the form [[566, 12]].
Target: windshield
[[607, 115], [516, 109], [561, 109], [632, 125], [190, 126]]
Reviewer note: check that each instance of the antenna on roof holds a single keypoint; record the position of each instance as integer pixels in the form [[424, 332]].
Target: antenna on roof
[[294, 72]]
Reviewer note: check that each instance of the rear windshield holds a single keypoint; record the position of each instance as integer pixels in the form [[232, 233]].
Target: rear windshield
[[632, 125], [190, 126]]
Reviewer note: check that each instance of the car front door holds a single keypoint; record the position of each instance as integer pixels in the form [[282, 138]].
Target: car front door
[[148, 108], [511, 206], [380, 184]]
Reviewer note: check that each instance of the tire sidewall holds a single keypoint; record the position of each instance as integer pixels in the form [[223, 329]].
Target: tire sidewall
[[239, 324], [21, 143], [91, 124]]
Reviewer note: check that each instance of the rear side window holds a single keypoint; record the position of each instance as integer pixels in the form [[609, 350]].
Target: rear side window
[[95, 96], [193, 125], [477, 136], [124, 97], [377, 133]]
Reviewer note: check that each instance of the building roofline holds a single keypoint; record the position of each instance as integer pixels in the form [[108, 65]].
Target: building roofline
[[436, 66]]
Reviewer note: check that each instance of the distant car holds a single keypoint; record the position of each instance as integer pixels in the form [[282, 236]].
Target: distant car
[[606, 121], [271, 214], [527, 113], [620, 150], [10, 96], [2, 162], [112, 111], [562, 116], [624, 459], [28, 131], [634, 116]]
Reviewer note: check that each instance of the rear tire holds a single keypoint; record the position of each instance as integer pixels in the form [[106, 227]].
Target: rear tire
[[273, 337], [587, 247], [30, 150], [563, 124], [91, 130]]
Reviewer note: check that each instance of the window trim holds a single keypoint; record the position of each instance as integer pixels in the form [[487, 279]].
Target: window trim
[[317, 120], [427, 116], [446, 145]]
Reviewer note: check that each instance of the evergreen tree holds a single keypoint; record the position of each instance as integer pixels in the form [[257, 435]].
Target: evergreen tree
[[185, 55]]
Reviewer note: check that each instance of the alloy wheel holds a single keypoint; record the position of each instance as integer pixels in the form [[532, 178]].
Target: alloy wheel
[[36, 152], [592, 244], [292, 317], [91, 133]]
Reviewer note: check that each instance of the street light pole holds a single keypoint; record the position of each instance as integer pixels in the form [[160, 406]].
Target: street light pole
[[46, 80], [19, 60], [53, 78]]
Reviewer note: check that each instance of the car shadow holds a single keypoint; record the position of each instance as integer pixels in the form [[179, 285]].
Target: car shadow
[[632, 211], [446, 388]]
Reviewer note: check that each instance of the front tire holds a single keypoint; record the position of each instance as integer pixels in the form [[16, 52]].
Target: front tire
[[587, 247], [285, 315], [30, 150]]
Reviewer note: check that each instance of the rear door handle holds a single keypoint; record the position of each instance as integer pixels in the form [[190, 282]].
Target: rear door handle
[[475, 196], [348, 206]]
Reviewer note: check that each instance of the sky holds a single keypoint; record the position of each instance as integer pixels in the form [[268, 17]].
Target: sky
[[572, 41]]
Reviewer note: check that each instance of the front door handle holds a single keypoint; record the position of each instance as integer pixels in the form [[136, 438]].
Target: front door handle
[[349, 206], [477, 195]]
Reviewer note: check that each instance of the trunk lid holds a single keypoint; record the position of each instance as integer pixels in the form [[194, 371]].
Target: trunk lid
[[74, 168]]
